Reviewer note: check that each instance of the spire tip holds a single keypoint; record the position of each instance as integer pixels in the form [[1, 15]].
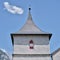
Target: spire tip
[[29, 8]]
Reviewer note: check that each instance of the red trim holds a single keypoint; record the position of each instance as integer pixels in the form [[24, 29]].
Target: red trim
[[31, 41], [31, 47]]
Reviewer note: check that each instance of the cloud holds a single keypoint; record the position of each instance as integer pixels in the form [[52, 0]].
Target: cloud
[[13, 9]]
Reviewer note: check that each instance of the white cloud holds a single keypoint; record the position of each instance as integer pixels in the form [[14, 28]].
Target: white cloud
[[13, 9]]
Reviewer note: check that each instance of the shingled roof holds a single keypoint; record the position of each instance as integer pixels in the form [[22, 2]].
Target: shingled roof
[[56, 51], [30, 28]]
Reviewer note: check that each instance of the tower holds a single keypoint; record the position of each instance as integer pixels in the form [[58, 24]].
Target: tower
[[30, 43]]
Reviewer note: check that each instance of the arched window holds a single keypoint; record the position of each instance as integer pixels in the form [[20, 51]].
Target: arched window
[[31, 44]]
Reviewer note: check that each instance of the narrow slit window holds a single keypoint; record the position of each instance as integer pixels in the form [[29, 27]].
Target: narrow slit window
[[31, 44]]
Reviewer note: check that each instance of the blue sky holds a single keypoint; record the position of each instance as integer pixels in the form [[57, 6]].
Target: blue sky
[[45, 13]]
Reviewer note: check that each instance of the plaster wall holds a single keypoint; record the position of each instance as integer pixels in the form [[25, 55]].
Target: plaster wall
[[38, 49], [37, 39], [32, 58]]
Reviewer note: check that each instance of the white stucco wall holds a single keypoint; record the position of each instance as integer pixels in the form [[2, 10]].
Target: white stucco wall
[[41, 46], [32, 58], [38, 39], [56, 56], [38, 49]]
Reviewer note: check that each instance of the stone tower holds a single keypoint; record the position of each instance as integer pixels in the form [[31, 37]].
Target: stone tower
[[30, 43]]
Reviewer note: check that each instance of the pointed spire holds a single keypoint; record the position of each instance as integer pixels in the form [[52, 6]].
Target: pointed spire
[[29, 14], [29, 27]]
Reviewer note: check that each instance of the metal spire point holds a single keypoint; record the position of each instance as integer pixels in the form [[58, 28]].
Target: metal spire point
[[29, 14], [29, 8]]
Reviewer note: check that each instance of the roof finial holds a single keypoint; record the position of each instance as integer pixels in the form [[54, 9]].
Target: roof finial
[[29, 7]]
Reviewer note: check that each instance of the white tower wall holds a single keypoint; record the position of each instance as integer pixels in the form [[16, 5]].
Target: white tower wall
[[32, 58]]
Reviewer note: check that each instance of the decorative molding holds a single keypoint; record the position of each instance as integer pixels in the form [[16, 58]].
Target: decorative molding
[[31, 55]]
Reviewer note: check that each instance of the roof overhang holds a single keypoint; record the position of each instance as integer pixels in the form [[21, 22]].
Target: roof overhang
[[56, 51]]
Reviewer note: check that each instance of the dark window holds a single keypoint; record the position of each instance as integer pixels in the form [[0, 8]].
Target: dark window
[[31, 44]]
